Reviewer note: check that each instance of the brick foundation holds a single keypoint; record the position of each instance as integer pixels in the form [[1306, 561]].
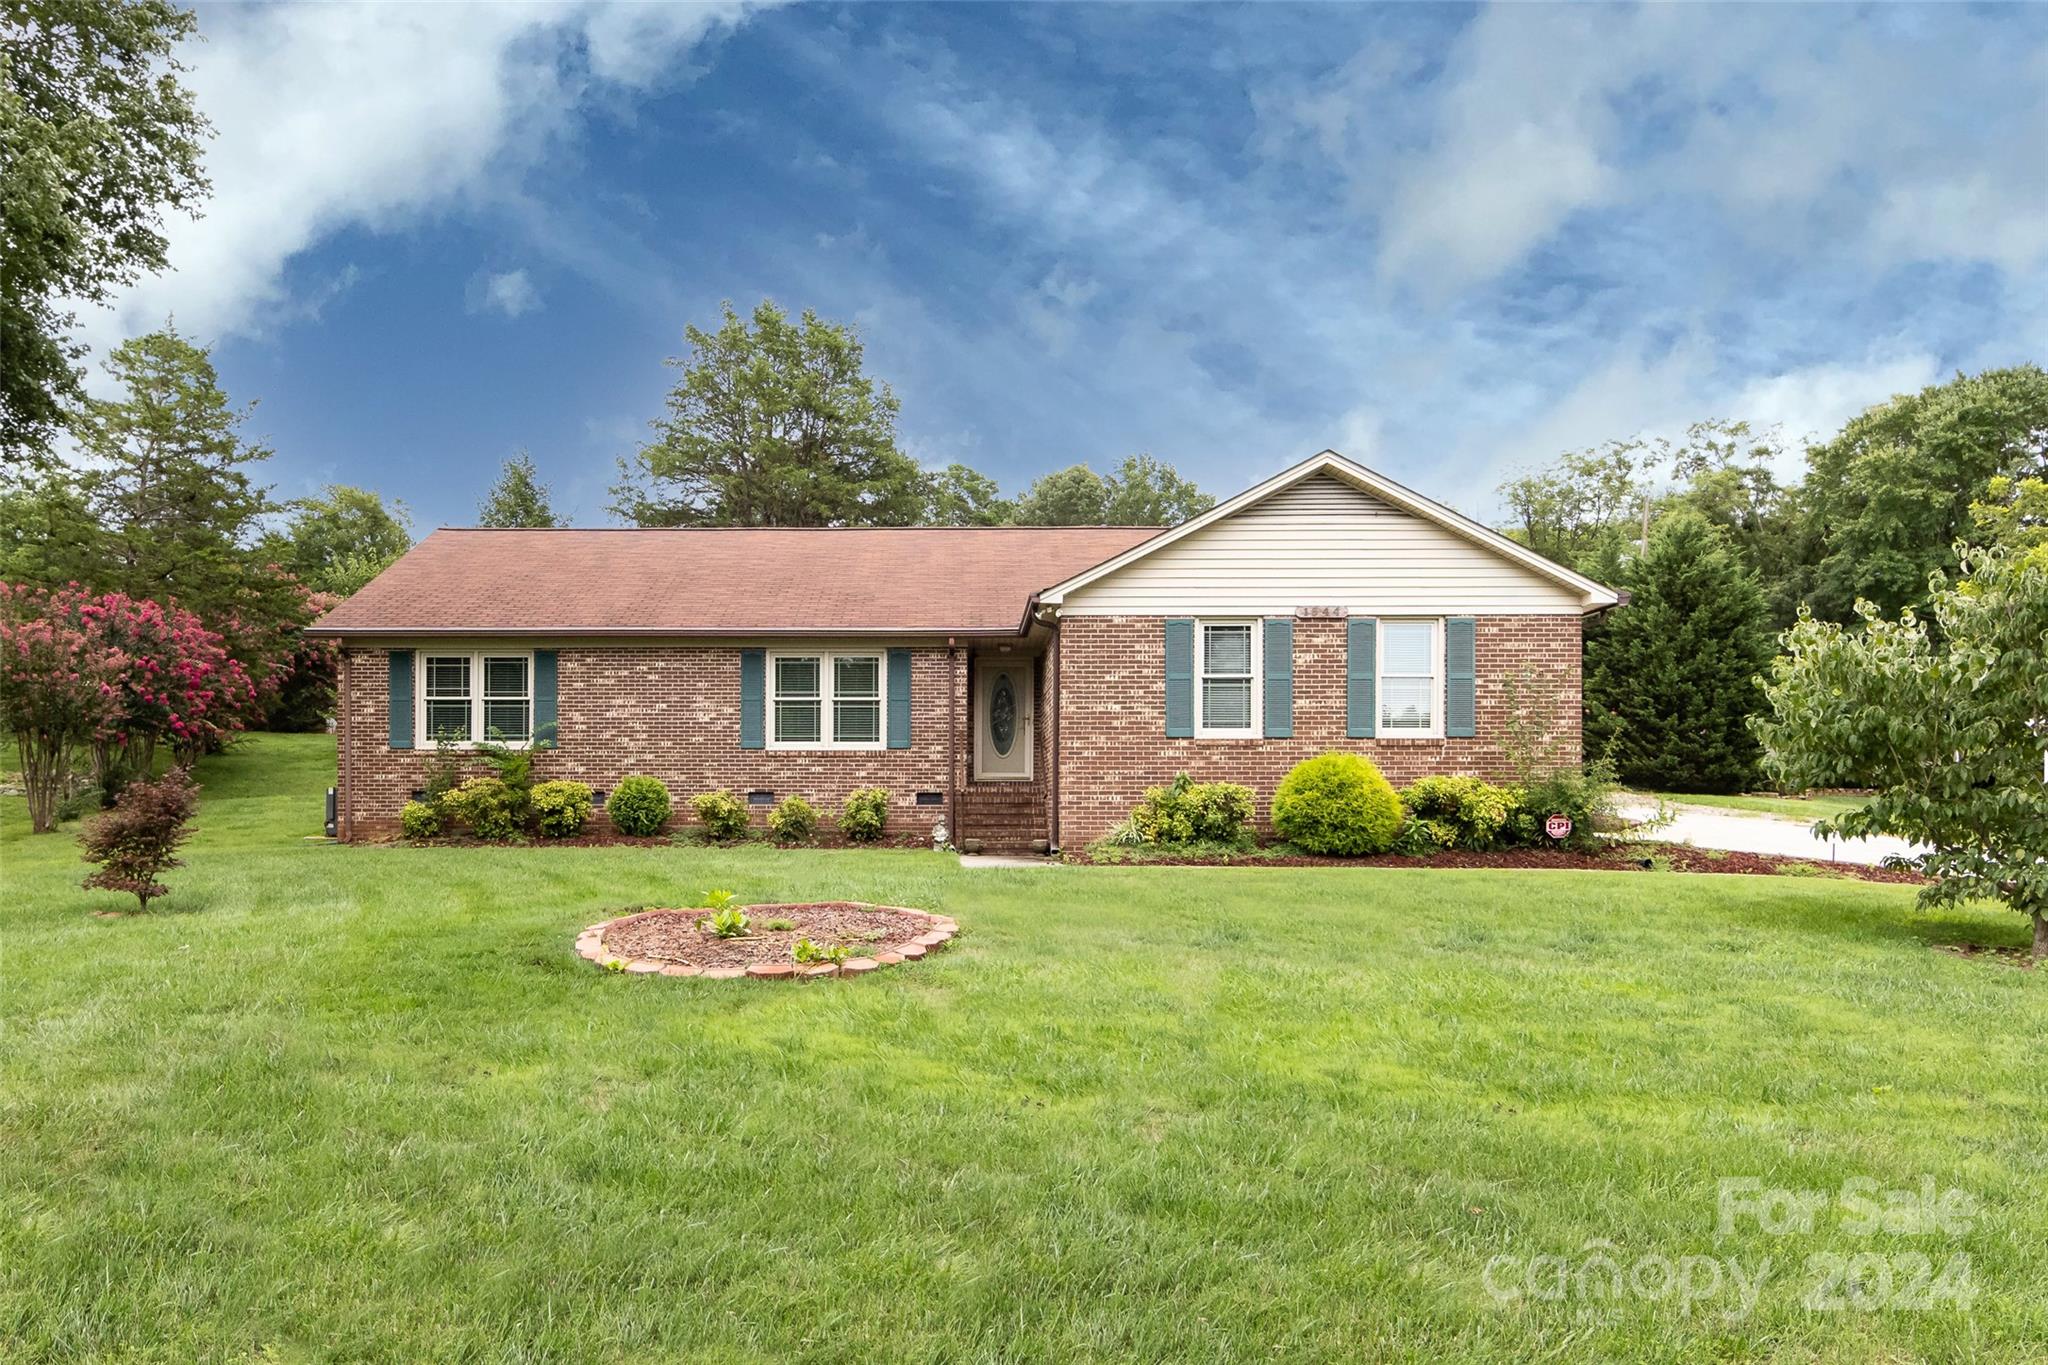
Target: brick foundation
[[1112, 707]]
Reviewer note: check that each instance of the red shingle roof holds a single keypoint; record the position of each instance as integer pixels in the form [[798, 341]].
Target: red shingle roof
[[931, 580]]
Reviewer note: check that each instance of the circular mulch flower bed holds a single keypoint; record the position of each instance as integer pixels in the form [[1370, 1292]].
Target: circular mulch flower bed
[[670, 943]]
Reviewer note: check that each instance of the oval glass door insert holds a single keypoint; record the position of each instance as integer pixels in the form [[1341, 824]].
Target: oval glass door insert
[[1002, 715]]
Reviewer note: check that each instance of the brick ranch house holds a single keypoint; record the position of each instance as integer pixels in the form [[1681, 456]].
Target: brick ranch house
[[1022, 685]]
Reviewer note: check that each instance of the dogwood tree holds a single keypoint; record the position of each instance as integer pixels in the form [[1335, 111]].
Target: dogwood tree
[[1947, 720]]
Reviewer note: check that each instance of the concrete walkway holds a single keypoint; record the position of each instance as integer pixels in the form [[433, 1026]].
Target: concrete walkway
[[1757, 832]]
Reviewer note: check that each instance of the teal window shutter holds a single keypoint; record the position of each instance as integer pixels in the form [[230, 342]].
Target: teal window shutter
[[899, 699], [753, 699], [1361, 675], [401, 699], [1180, 678], [1461, 678], [545, 705], [1279, 677]]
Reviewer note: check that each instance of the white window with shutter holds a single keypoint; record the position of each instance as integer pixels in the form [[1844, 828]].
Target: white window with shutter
[[465, 699], [1411, 683], [826, 701], [1227, 677]]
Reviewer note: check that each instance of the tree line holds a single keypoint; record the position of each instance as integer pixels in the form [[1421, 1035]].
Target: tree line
[[1722, 552]]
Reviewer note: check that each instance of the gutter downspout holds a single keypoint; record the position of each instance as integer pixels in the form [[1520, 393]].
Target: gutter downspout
[[1053, 778], [953, 743]]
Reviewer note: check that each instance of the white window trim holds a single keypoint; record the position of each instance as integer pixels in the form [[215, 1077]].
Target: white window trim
[[1257, 729], [827, 678], [1437, 672], [424, 738]]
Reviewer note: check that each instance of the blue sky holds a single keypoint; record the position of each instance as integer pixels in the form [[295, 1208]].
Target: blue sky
[[1448, 241]]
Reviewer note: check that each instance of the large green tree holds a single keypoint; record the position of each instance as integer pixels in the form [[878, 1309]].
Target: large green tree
[[1947, 721], [1670, 677], [960, 496], [1584, 509], [98, 139], [773, 423], [1890, 496], [1142, 492], [518, 498], [341, 539]]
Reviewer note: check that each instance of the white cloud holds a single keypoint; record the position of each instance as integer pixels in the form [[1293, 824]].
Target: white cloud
[[1813, 130], [510, 293], [337, 116]]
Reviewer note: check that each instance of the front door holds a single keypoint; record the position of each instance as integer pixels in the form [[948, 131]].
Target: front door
[[1002, 730]]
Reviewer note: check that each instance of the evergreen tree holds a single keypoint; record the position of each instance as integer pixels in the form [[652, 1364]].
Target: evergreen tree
[[166, 480], [518, 498], [1671, 678]]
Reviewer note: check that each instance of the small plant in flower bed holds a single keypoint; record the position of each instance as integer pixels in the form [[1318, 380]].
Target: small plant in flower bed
[[778, 925], [793, 821], [1456, 812], [133, 843], [639, 806], [716, 899], [420, 819], [723, 815], [560, 809], [864, 815], [1337, 804], [731, 922], [1186, 811], [488, 807], [808, 953]]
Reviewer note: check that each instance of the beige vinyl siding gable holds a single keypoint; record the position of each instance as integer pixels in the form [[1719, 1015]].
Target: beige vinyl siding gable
[[1323, 542]]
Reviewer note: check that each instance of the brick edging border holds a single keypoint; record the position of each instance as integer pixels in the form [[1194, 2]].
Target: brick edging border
[[590, 946]]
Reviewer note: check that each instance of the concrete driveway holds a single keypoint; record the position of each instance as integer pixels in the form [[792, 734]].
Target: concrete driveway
[[1755, 832]]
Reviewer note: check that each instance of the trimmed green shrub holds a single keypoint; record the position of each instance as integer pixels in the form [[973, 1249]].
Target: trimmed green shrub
[[793, 821], [1460, 812], [420, 819], [639, 806], [865, 815], [491, 809], [560, 808], [1186, 811], [1337, 804], [723, 815]]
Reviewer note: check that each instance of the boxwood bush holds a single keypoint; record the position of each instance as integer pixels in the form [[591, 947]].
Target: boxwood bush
[[560, 808], [1458, 812], [491, 809], [638, 806], [793, 821], [723, 815], [864, 815], [1186, 811], [420, 819], [1337, 804]]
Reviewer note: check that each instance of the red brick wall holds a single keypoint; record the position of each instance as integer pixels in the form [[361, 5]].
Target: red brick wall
[[1112, 727], [669, 711]]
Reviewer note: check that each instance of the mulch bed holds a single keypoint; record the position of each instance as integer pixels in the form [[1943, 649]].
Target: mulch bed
[[1631, 858], [669, 941]]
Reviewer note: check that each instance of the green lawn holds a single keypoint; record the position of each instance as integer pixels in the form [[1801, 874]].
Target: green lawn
[[1800, 807], [365, 1104]]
